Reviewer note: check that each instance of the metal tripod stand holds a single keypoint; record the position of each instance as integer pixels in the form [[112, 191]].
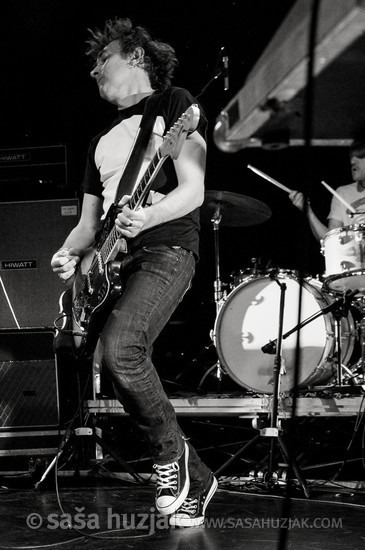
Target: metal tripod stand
[[273, 430], [75, 439]]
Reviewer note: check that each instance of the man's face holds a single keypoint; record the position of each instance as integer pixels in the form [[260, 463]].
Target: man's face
[[358, 167], [112, 73]]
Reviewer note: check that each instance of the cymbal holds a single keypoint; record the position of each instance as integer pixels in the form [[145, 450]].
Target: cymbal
[[235, 209]]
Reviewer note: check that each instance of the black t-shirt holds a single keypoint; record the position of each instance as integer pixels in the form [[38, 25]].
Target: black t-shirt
[[108, 154]]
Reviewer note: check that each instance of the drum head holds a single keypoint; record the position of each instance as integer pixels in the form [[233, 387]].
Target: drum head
[[344, 251], [352, 280], [249, 319]]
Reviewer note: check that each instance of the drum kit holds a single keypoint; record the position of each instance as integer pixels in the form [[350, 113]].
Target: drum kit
[[317, 328]]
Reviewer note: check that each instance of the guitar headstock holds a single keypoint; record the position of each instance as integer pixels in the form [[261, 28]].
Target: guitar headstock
[[174, 138]]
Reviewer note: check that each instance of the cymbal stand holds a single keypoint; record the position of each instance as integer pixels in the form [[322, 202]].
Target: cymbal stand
[[216, 220], [273, 430], [218, 294]]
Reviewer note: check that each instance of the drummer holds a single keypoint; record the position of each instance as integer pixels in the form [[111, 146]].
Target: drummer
[[352, 193]]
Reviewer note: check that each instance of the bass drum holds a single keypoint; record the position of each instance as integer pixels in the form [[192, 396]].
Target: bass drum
[[249, 319]]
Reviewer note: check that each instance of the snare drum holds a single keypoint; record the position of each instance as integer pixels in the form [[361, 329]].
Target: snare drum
[[244, 275], [249, 319], [238, 277], [344, 252]]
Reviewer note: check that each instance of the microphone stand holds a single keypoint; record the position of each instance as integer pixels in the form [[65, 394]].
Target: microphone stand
[[221, 69], [273, 430]]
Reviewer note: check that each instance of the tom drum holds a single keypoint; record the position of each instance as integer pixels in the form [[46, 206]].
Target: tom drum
[[344, 252]]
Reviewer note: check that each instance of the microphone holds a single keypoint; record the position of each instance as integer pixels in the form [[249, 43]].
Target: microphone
[[273, 273], [225, 68], [270, 347]]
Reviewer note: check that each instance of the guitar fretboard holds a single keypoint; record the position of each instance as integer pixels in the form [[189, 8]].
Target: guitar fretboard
[[135, 201]]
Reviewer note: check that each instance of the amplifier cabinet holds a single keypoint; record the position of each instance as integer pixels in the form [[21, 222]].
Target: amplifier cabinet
[[31, 232], [28, 380]]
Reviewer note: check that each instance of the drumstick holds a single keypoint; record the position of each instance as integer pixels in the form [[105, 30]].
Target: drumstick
[[268, 178], [338, 197]]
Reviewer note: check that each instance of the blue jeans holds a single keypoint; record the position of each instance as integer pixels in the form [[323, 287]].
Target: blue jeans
[[155, 282]]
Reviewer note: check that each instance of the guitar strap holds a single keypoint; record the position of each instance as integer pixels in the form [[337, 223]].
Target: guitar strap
[[128, 178]]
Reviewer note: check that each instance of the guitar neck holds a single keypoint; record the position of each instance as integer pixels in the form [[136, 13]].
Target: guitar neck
[[136, 200], [144, 186]]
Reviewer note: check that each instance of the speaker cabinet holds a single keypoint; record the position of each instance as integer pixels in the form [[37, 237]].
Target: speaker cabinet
[[28, 380], [30, 234]]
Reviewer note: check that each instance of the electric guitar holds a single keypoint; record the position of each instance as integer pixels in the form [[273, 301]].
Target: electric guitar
[[97, 281]]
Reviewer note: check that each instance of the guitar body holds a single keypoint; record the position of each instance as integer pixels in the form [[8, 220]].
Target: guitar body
[[97, 283], [90, 308]]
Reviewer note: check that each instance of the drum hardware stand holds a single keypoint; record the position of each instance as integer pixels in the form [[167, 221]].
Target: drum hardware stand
[[235, 210], [218, 293], [340, 309], [360, 365], [273, 430], [352, 214], [219, 296], [216, 220], [339, 312]]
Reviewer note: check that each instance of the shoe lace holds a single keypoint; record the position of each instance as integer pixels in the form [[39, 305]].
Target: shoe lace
[[189, 505], [166, 475]]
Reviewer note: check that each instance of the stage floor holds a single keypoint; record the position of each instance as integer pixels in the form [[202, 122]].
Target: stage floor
[[121, 513], [109, 507]]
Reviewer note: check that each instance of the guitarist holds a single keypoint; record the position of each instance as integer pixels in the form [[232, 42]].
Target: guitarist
[[162, 239]]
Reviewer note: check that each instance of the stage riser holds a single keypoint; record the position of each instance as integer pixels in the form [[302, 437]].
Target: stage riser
[[244, 407]]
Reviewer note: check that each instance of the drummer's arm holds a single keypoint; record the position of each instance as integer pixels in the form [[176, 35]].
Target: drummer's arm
[[317, 227]]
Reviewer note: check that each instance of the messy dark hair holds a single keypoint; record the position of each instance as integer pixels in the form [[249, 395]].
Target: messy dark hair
[[160, 60], [357, 148]]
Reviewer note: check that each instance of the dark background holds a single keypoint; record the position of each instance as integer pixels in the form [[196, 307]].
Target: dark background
[[48, 98]]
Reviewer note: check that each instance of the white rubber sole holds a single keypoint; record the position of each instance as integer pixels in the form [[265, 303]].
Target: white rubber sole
[[175, 505], [183, 520]]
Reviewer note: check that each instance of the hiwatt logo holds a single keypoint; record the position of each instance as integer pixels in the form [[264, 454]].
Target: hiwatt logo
[[7, 265], [8, 156]]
